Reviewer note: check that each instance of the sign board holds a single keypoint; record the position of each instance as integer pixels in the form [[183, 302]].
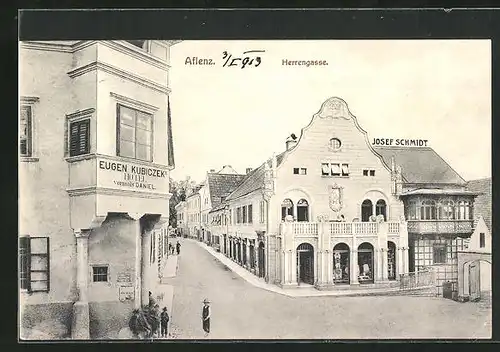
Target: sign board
[[124, 277], [400, 142], [126, 293], [125, 175]]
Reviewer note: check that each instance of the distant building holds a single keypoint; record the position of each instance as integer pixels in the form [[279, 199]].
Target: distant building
[[193, 205], [332, 209], [181, 211], [96, 152]]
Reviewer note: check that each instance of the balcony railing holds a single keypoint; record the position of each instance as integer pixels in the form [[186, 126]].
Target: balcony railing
[[440, 226], [305, 228]]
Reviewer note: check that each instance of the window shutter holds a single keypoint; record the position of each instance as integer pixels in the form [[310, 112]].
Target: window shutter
[[79, 137], [24, 256]]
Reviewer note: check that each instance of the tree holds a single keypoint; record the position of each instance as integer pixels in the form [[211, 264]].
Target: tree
[[179, 190]]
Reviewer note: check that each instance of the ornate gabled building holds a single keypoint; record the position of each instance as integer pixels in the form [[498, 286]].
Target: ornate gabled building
[[96, 151], [332, 209]]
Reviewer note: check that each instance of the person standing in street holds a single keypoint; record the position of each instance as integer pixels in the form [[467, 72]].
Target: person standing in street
[[178, 246], [164, 318], [205, 316]]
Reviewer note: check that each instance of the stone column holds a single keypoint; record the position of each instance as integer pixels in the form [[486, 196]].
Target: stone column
[[80, 327], [146, 262], [399, 261], [385, 273], [354, 267]]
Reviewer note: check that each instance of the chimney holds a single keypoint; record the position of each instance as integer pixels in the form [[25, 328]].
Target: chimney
[[249, 169], [291, 142]]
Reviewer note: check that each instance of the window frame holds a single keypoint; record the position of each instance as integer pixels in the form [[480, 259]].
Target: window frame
[[29, 255], [482, 240], [93, 274], [436, 248], [82, 120], [29, 128], [250, 214], [136, 111]]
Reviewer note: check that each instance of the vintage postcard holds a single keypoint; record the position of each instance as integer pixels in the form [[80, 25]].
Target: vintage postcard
[[234, 190]]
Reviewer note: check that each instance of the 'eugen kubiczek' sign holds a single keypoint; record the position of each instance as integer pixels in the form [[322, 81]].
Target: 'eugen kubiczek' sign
[[134, 176]]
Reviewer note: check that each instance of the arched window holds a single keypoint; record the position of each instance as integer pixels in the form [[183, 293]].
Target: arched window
[[428, 210], [302, 210], [286, 208], [381, 208], [445, 210], [366, 210], [462, 211]]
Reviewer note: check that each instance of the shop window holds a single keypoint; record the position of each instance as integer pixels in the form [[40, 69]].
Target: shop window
[[286, 208], [439, 253], [134, 133], [26, 131], [482, 241], [100, 273], [34, 264], [428, 210]]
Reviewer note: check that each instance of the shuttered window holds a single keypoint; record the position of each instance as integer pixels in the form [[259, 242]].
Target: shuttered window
[[34, 264], [79, 137], [25, 131]]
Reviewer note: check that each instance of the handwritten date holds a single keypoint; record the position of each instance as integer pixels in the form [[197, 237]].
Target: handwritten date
[[244, 61]]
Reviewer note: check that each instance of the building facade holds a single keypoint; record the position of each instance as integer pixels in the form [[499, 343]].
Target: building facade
[[193, 205], [95, 156], [333, 209]]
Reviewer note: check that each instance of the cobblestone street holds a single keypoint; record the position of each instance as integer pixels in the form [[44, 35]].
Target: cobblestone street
[[242, 311]]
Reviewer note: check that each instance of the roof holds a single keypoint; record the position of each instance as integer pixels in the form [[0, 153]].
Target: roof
[[482, 204], [420, 165], [254, 180], [195, 190], [454, 192], [221, 185]]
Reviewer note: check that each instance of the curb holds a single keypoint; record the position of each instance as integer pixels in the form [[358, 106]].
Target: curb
[[265, 286]]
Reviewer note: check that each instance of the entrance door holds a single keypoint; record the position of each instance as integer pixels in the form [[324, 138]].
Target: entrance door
[[261, 260], [365, 263], [474, 281], [305, 263]]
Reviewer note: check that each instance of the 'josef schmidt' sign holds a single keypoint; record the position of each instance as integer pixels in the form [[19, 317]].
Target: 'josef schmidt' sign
[[400, 142]]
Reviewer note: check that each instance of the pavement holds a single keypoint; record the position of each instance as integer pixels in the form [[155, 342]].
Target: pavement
[[241, 310], [305, 290]]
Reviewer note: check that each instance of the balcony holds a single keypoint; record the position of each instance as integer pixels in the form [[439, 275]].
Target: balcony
[[440, 226], [342, 228]]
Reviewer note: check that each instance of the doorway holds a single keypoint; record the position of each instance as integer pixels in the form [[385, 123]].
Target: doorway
[[261, 260], [474, 281], [305, 264]]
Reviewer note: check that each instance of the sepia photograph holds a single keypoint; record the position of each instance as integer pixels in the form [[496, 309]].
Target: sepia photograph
[[255, 190]]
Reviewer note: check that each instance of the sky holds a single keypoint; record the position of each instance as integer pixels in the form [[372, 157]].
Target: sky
[[439, 90]]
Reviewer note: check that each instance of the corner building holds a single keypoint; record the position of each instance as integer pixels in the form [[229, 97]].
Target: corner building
[[95, 155], [330, 210]]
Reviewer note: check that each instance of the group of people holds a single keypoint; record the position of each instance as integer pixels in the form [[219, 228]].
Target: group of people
[[172, 249]]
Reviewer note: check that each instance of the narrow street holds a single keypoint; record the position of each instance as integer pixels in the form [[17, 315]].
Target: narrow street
[[242, 311]]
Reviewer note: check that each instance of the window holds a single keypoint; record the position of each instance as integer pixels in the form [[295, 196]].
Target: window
[[445, 210], [300, 171], [335, 169], [286, 208], [380, 208], [345, 170], [295, 170], [365, 172], [135, 133], [439, 255], [482, 241], [25, 131], [325, 169], [262, 211], [244, 217], [79, 137], [34, 264], [428, 210], [238, 215], [335, 144], [250, 213], [100, 273], [372, 172], [302, 210], [411, 210], [463, 211]]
